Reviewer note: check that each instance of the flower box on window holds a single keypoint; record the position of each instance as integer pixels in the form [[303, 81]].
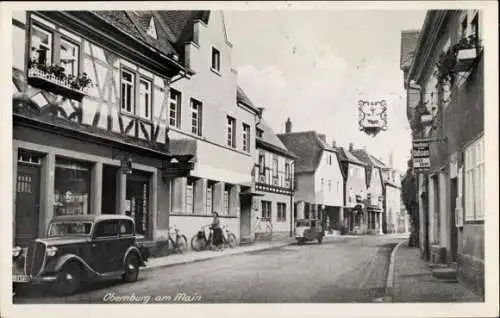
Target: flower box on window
[[52, 78]]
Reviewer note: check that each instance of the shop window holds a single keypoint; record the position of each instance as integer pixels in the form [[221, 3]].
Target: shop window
[[227, 203], [210, 187], [281, 212], [137, 202], [71, 187], [190, 196]]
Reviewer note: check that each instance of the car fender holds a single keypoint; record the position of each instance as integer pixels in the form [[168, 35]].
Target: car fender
[[134, 249], [63, 260]]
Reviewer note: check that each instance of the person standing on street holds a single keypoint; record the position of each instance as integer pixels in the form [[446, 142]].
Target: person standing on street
[[217, 238]]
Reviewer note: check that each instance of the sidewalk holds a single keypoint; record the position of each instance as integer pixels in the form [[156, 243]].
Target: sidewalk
[[190, 256], [413, 281]]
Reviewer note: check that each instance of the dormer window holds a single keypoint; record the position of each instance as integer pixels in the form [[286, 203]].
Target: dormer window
[[215, 60], [259, 133], [152, 29]]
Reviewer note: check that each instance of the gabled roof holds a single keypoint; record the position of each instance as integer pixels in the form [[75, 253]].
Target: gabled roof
[[346, 155], [270, 141], [308, 147], [174, 28]]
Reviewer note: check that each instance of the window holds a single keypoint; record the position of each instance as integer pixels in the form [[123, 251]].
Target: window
[[41, 45], [262, 164], [51, 46], [196, 111], [287, 171], [145, 98], [126, 227], [329, 185], [275, 169], [266, 211], [174, 114], [210, 197], [71, 187], [281, 212], [259, 132], [475, 27], [231, 134], [215, 59], [190, 196], [474, 181], [108, 228], [322, 183], [127, 91], [246, 138], [69, 56], [226, 200], [463, 31]]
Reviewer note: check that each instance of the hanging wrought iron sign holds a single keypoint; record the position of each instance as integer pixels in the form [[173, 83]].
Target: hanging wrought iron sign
[[372, 116]]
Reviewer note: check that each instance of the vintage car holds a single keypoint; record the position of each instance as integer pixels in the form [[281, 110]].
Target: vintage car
[[309, 230], [79, 249]]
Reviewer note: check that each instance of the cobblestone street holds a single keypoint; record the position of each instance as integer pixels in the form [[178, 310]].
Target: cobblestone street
[[352, 270]]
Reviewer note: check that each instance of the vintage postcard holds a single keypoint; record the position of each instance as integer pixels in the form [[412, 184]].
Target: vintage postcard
[[272, 159]]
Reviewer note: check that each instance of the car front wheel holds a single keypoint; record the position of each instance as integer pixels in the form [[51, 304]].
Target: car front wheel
[[68, 280], [131, 268]]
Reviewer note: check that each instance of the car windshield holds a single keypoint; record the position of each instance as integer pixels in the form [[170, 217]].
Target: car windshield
[[69, 228], [302, 223]]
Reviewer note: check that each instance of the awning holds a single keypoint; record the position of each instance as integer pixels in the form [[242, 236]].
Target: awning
[[182, 150], [251, 193]]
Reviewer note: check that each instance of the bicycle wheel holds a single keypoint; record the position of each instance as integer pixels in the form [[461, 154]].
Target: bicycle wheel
[[198, 244], [231, 240], [182, 244]]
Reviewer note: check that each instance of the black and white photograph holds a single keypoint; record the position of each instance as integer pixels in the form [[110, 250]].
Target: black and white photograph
[[162, 156]]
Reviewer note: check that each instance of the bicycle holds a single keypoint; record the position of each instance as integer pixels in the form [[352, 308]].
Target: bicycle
[[177, 239], [229, 237]]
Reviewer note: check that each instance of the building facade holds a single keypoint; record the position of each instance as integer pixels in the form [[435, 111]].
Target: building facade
[[274, 180], [355, 191], [447, 71], [83, 148], [319, 182], [375, 192], [392, 200], [216, 126]]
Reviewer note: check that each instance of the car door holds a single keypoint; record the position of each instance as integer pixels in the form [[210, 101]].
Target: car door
[[103, 255], [126, 237]]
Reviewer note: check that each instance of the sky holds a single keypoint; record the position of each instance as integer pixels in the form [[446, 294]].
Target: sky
[[314, 66]]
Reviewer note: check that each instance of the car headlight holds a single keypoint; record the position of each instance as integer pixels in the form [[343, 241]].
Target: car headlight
[[16, 251], [51, 251]]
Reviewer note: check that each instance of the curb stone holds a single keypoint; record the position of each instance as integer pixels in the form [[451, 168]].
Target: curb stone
[[196, 260], [389, 284]]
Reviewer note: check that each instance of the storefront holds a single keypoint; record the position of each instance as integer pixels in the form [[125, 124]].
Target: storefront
[[77, 178]]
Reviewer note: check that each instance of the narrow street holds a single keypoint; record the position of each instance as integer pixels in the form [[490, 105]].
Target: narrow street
[[353, 270]]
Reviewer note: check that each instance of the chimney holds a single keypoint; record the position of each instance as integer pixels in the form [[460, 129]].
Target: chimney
[[351, 146], [322, 137], [334, 144], [288, 126]]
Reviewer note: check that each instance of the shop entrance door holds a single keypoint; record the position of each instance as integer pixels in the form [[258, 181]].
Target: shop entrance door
[[27, 203], [137, 203]]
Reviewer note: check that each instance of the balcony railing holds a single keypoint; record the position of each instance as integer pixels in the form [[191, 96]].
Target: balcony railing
[[52, 79]]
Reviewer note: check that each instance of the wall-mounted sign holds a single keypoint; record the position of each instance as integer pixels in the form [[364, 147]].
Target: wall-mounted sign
[[372, 116], [421, 156]]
